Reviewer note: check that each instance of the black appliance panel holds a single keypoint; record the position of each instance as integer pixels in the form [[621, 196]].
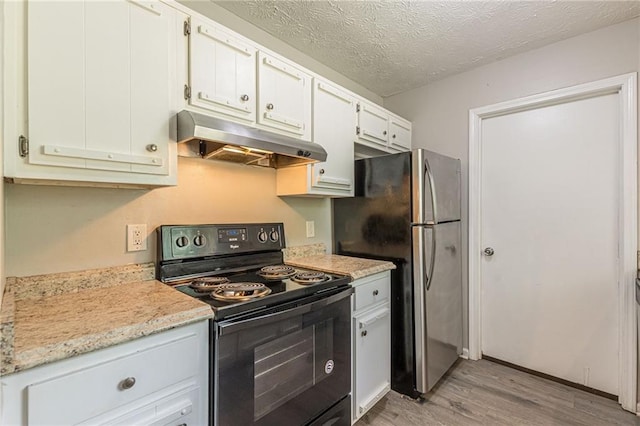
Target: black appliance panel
[[285, 365]]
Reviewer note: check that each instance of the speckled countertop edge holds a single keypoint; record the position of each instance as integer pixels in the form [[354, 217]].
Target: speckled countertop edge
[[355, 267], [7, 314], [29, 301], [91, 342]]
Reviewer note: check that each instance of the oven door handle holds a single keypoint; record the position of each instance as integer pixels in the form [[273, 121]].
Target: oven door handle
[[235, 326]]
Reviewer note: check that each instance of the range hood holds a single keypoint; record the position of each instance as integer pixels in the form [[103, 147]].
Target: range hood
[[218, 139]]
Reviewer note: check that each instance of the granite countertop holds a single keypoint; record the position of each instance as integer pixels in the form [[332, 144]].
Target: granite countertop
[[48, 319], [355, 267]]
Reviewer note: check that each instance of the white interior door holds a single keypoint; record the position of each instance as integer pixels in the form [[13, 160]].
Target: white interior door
[[549, 209]]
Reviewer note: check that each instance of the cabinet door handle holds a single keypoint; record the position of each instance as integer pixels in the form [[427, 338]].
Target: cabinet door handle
[[321, 171], [152, 147], [127, 383], [375, 292], [363, 333], [393, 136], [244, 98], [269, 107], [384, 133]]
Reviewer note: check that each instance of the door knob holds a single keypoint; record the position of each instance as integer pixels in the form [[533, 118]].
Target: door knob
[[488, 251]]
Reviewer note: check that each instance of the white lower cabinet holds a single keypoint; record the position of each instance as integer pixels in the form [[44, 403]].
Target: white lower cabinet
[[371, 328], [160, 379]]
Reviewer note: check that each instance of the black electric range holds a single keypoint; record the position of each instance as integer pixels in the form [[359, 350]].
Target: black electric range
[[237, 252]]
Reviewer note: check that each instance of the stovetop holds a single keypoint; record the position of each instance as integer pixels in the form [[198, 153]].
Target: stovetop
[[281, 291], [234, 251]]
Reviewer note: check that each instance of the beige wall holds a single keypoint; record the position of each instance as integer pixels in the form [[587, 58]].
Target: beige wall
[[440, 111], [54, 229]]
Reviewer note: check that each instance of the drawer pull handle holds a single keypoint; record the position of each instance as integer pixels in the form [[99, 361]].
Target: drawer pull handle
[[363, 333], [375, 292], [127, 383]]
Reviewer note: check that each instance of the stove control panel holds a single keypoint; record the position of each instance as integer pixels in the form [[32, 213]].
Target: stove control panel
[[186, 241]]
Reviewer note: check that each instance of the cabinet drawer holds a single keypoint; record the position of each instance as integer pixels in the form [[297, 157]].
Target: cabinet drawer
[[371, 292], [88, 392]]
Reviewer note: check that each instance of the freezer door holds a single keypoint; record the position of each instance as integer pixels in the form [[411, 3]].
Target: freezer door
[[436, 180], [437, 301]]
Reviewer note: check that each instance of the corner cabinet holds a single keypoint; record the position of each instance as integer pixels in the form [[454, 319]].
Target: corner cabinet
[[381, 130], [94, 92], [160, 379], [371, 327], [334, 113]]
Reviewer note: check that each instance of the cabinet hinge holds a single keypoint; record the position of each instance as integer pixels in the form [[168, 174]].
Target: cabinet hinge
[[187, 91], [187, 27], [23, 146], [357, 130], [358, 107]]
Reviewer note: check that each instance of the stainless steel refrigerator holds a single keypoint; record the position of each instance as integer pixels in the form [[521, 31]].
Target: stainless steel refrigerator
[[406, 209]]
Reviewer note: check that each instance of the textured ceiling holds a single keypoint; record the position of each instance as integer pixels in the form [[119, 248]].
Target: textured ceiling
[[393, 46]]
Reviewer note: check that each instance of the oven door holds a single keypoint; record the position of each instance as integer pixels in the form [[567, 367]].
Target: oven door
[[284, 366]]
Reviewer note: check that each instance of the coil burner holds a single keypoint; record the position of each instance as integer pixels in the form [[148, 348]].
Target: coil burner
[[207, 284], [276, 272], [310, 277], [239, 292]]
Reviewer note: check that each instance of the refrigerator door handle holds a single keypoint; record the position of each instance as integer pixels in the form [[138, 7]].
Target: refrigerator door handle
[[433, 258], [432, 191]]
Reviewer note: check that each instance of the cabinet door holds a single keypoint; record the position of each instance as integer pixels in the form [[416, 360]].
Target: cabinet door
[[284, 97], [334, 116], [373, 124], [100, 84], [222, 71], [372, 347], [399, 134]]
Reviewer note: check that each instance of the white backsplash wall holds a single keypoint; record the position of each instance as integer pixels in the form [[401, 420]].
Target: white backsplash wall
[[54, 229]]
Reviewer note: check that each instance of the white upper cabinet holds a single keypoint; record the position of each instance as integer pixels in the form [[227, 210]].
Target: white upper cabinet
[[334, 115], [373, 124], [381, 130], [222, 72], [284, 97], [399, 133], [101, 91]]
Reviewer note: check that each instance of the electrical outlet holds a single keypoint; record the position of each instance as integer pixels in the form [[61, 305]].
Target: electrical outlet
[[137, 237], [311, 229]]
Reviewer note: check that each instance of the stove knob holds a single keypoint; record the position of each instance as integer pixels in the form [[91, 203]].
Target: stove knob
[[199, 240], [182, 241], [262, 237], [274, 236]]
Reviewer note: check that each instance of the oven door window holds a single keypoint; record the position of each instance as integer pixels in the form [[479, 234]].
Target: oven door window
[[285, 367]]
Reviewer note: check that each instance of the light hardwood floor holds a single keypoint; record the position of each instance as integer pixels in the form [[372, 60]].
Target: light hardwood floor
[[486, 393]]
